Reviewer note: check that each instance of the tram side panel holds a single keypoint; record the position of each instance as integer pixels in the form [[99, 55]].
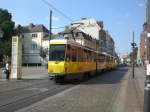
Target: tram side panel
[[81, 60]]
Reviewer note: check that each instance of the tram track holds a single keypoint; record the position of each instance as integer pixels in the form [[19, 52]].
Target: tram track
[[28, 84], [25, 101]]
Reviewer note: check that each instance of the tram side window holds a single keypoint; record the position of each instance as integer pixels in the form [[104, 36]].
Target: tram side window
[[74, 58], [112, 59], [80, 55], [89, 56], [93, 57], [85, 56], [107, 58], [74, 54], [68, 53], [101, 58]]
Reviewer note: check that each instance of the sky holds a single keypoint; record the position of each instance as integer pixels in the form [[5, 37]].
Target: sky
[[120, 17]]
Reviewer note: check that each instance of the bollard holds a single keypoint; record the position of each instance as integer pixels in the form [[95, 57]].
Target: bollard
[[147, 91]]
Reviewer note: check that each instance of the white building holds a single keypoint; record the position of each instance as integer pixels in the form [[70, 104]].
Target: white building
[[125, 58], [79, 37], [95, 29], [88, 26], [110, 44], [33, 43]]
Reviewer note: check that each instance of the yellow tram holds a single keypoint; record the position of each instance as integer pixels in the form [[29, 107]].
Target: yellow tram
[[69, 59]]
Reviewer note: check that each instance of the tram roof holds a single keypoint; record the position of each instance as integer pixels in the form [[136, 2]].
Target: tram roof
[[69, 41], [105, 53], [64, 41]]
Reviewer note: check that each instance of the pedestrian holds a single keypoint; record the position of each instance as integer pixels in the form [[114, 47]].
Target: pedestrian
[[8, 70]]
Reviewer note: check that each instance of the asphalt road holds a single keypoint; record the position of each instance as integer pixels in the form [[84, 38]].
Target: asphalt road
[[15, 95]]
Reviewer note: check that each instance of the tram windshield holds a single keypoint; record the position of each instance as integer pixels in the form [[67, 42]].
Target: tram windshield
[[57, 52]]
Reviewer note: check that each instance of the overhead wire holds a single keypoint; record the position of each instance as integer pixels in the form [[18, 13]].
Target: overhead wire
[[58, 27], [54, 8]]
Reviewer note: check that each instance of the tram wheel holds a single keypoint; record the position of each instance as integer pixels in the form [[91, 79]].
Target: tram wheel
[[60, 79]]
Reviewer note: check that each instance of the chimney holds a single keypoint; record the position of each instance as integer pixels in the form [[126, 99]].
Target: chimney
[[66, 27], [31, 25], [101, 24], [145, 26], [83, 18]]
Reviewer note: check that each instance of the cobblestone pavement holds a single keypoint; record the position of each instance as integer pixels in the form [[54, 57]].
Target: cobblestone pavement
[[113, 91]]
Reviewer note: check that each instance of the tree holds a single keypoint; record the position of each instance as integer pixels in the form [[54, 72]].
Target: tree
[[6, 25], [133, 55], [44, 52], [52, 37]]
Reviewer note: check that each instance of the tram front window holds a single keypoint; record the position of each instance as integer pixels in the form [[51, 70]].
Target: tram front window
[[57, 52]]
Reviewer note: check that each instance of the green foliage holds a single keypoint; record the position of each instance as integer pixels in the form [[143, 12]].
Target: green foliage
[[52, 36], [133, 55], [6, 25], [44, 53]]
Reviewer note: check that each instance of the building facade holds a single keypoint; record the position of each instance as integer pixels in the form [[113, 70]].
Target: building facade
[[148, 30], [33, 43], [79, 37], [110, 48], [143, 44], [95, 30], [88, 26]]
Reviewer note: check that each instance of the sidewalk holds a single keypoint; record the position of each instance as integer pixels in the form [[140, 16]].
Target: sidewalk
[[135, 91], [29, 73]]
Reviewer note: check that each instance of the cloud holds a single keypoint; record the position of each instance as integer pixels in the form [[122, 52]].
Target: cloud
[[140, 4], [56, 29]]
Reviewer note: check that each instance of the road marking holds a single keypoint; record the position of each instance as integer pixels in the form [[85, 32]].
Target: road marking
[[31, 89], [43, 89], [36, 89]]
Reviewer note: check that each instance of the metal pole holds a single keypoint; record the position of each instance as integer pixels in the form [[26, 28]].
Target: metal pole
[[147, 91], [50, 30], [147, 81], [133, 56]]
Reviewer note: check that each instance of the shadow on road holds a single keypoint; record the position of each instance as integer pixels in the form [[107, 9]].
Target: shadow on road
[[109, 77]]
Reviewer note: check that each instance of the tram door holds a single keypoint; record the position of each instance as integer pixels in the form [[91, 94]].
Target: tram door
[[71, 59], [68, 58]]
